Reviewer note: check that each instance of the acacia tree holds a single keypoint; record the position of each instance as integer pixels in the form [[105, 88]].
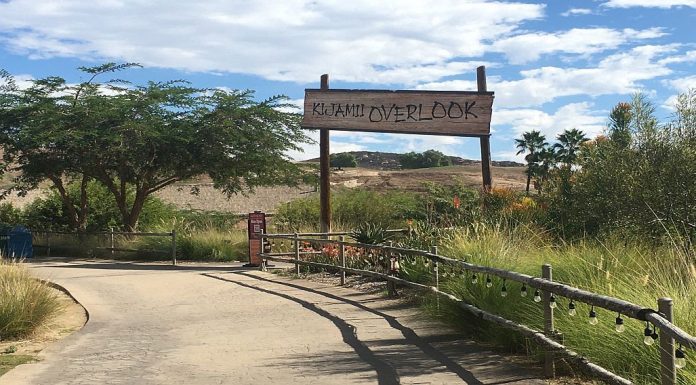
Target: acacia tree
[[138, 139]]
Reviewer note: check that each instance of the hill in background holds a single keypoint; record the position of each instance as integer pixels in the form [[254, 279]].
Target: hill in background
[[390, 160]]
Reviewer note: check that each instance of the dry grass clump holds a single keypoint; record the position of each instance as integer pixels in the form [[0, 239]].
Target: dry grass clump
[[25, 302]]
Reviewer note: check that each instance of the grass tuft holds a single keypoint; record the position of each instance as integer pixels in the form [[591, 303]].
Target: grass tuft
[[25, 303]]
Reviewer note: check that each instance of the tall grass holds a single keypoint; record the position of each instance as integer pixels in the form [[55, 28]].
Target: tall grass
[[25, 303], [626, 270]]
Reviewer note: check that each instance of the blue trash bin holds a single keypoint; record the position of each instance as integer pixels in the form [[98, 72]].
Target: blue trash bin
[[19, 243]]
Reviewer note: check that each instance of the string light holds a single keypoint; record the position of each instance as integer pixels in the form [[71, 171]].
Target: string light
[[593, 317], [523, 291], [489, 282], [503, 290], [647, 335], [619, 324], [474, 278], [537, 296], [571, 309], [679, 358], [552, 302]]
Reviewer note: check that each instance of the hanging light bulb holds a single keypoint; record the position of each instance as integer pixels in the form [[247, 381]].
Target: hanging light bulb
[[474, 278], [503, 290], [537, 296], [647, 335], [552, 302], [523, 291], [654, 333], [593, 317], [679, 358], [619, 324], [489, 282], [571, 309]]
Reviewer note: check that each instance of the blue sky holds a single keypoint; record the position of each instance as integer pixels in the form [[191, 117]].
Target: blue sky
[[553, 65]]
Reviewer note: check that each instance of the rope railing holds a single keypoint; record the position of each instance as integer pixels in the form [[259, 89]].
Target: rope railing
[[661, 319]]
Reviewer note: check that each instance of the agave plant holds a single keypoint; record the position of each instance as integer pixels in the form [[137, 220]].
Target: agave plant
[[373, 234]]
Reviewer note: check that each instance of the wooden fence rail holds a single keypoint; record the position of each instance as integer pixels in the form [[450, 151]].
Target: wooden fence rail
[[112, 244], [669, 332]]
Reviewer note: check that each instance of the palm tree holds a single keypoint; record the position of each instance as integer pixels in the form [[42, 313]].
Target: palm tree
[[568, 146], [531, 142], [546, 160]]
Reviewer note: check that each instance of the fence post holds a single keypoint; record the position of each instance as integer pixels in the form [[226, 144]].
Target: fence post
[[668, 371], [112, 241], [48, 245], [297, 254], [173, 247], [549, 327], [433, 249], [391, 286], [342, 254]]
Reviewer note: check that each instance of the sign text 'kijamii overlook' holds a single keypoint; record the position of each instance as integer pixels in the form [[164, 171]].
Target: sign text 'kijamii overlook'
[[414, 112]]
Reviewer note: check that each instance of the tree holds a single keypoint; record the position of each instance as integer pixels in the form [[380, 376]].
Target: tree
[[426, 159], [343, 159], [568, 146], [531, 143], [138, 139]]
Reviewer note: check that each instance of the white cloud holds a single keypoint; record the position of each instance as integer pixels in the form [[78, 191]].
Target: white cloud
[[574, 115], [680, 85], [577, 11], [649, 3], [620, 73], [581, 41], [293, 40]]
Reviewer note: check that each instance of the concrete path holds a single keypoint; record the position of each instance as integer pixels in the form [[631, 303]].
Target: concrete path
[[204, 324]]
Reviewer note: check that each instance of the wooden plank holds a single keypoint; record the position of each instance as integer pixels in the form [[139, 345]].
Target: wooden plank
[[324, 171], [414, 112]]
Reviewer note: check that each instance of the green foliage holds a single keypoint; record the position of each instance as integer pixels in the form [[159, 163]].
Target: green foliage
[[142, 138], [10, 215], [352, 208], [343, 159], [25, 302], [644, 183], [102, 213], [429, 158], [370, 233], [615, 267]]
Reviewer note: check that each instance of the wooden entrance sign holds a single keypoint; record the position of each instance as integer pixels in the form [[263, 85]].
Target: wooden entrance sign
[[453, 113], [409, 112]]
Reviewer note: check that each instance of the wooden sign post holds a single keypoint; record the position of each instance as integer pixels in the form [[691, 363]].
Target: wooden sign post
[[454, 113]]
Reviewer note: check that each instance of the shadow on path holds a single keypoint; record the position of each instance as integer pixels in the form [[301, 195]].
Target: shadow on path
[[135, 266], [410, 336], [386, 374]]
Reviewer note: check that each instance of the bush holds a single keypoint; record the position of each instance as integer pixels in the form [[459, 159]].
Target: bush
[[343, 159], [430, 158], [352, 208], [49, 213], [25, 303]]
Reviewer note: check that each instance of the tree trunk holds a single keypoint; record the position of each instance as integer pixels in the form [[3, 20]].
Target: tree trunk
[[529, 179]]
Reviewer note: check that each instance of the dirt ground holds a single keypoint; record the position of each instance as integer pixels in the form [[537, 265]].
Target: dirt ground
[[267, 199]]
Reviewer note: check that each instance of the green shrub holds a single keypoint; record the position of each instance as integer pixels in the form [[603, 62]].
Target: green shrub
[[10, 215], [25, 303], [352, 208], [49, 213]]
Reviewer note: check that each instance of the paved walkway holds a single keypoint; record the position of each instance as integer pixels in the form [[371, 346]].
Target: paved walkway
[[155, 324]]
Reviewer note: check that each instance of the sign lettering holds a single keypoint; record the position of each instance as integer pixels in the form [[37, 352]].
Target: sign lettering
[[418, 112]]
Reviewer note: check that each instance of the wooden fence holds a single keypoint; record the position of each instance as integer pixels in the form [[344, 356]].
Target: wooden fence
[[111, 235], [548, 338]]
